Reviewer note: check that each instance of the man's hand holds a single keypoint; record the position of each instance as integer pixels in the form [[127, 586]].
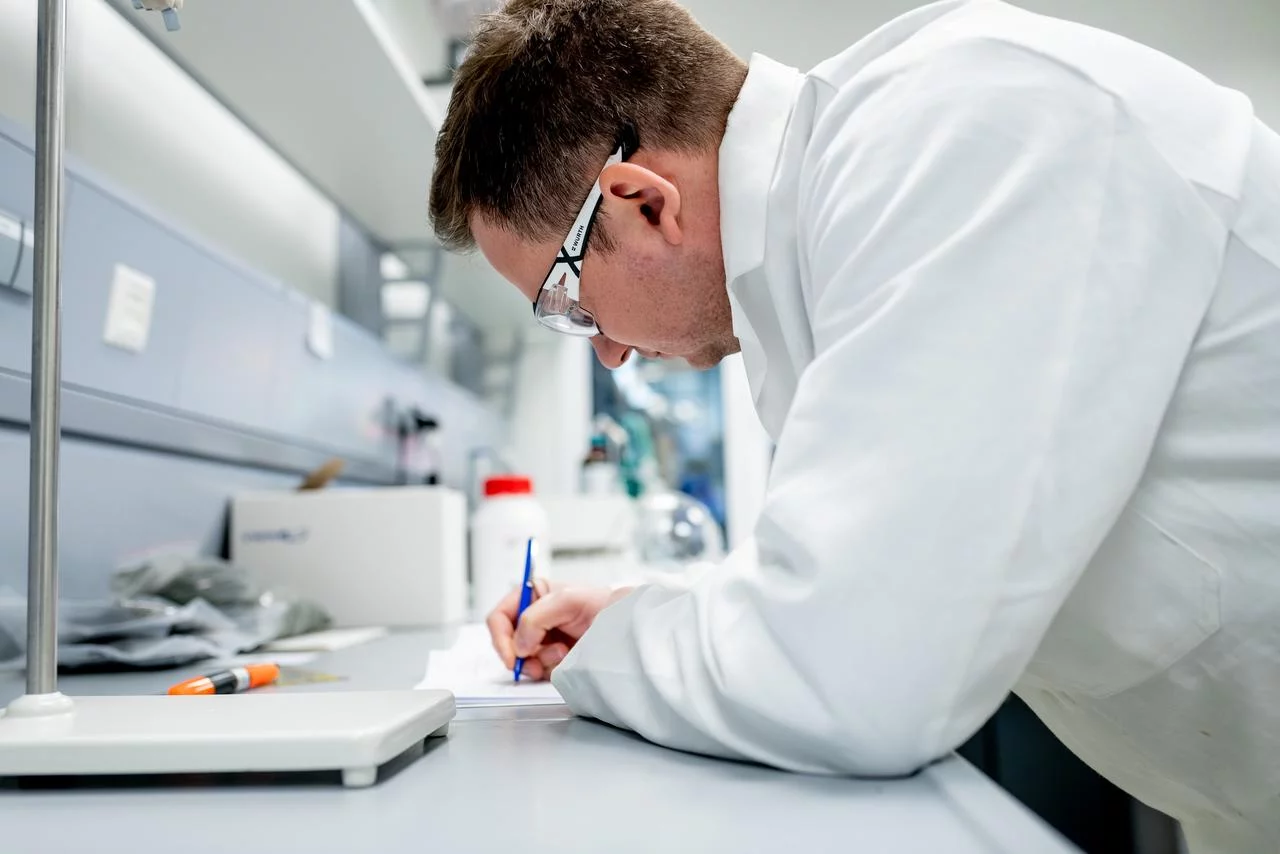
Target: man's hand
[[549, 627]]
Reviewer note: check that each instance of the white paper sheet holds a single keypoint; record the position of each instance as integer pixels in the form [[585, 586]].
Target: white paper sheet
[[474, 673]]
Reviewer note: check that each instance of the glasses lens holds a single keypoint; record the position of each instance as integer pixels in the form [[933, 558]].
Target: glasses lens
[[555, 310]]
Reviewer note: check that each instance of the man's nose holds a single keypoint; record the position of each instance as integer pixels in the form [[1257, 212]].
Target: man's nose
[[610, 353]]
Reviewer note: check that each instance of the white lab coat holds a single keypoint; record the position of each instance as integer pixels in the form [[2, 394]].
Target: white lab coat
[[1008, 292]]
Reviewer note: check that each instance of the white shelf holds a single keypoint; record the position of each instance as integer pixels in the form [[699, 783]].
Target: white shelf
[[325, 82]]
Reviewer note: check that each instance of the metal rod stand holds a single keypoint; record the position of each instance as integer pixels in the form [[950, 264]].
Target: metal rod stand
[[46, 352]]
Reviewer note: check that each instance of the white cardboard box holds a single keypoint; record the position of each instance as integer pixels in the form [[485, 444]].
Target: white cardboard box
[[393, 556], [591, 522]]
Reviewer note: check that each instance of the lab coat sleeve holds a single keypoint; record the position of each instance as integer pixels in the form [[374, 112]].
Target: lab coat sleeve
[[992, 365]]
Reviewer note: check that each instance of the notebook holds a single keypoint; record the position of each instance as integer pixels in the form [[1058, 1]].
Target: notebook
[[474, 673]]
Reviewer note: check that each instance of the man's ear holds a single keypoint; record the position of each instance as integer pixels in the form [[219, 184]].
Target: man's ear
[[652, 196]]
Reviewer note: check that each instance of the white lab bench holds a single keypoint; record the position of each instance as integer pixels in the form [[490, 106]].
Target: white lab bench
[[529, 780]]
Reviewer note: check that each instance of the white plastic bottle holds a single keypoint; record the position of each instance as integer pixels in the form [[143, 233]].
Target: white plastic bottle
[[500, 527]]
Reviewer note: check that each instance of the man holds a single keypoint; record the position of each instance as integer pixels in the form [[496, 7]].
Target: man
[[1008, 294]]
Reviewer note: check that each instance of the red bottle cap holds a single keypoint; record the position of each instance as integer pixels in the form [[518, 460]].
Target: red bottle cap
[[507, 484]]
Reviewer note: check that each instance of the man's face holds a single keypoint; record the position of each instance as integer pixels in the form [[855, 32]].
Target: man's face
[[661, 291]]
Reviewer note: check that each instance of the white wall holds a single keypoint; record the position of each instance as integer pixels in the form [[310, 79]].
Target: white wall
[[550, 429], [152, 132]]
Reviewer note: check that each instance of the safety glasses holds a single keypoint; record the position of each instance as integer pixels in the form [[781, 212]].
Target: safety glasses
[[557, 304]]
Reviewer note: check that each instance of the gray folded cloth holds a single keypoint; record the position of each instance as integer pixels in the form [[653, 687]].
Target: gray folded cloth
[[170, 610]]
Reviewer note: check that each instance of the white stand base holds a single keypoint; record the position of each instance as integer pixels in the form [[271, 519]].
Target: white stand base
[[351, 732]]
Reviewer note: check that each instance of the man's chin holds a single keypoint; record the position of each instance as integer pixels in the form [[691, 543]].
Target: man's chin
[[712, 356]]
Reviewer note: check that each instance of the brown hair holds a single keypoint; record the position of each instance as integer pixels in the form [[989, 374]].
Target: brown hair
[[546, 91]]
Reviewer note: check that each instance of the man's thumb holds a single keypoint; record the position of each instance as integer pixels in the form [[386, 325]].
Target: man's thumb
[[542, 616]]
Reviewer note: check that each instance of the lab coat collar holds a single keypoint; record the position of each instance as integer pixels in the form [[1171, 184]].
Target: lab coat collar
[[748, 157]]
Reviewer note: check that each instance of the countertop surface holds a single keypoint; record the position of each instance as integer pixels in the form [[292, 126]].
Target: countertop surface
[[526, 779]]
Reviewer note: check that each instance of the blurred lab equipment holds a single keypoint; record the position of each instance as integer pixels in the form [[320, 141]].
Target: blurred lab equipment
[[593, 539], [503, 523], [418, 437], [675, 529], [639, 462], [168, 609], [147, 632], [392, 556], [167, 8], [267, 612], [322, 476], [666, 428], [600, 474]]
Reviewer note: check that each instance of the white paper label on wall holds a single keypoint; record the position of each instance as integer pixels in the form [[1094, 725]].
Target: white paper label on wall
[[10, 227], [320, 332], [129, 308]]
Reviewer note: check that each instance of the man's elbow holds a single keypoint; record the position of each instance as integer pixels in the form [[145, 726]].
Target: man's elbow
[[891, 761], [894, 749]]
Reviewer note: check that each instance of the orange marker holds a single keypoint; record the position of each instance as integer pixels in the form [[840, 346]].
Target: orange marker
[[231, 681]]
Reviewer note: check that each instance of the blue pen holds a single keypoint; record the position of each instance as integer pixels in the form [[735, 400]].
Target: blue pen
[[526, 595]]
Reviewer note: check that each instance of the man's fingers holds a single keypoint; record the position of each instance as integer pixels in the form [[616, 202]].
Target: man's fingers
[[533, 671], [551, 655], [502, 620], [539, 665], [549, 612], [502, 633], [502, 626]]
